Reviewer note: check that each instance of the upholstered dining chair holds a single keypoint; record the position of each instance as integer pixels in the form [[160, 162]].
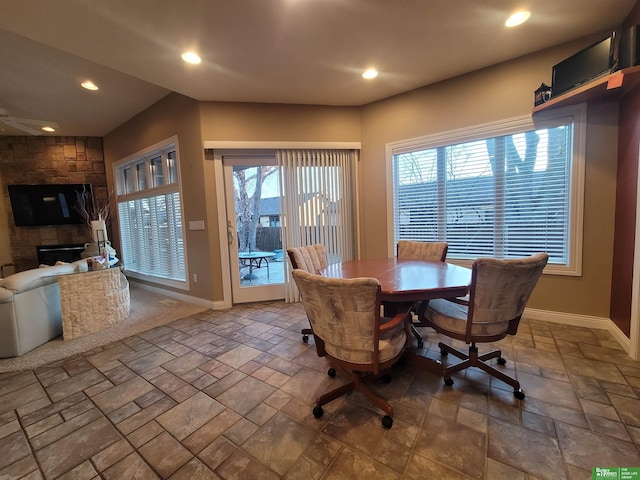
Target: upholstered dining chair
[[500, 290], [414, 250], [347, 327], [312, 259]]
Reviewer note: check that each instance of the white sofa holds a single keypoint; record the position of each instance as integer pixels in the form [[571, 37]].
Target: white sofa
[[30, 312]]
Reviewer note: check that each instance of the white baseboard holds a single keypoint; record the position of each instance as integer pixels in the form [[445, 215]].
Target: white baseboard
[[581, 321], [181, 296]]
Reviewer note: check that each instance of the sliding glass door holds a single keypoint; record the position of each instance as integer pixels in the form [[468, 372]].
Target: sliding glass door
[[254, 228], [285, 198]]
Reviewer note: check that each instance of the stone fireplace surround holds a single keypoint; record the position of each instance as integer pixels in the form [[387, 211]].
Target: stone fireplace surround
[[46, 159]]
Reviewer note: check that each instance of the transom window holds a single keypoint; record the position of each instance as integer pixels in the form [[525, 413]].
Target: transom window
[[503, 190], [150, 215]]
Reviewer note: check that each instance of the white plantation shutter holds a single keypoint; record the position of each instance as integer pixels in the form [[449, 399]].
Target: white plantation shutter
[[150, 217], [152, 236], [501, 196]]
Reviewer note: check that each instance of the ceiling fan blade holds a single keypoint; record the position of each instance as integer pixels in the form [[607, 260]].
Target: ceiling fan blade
[[24, 128], [37, 123]]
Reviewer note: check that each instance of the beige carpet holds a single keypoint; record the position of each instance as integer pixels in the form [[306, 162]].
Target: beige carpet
[[148, 310]]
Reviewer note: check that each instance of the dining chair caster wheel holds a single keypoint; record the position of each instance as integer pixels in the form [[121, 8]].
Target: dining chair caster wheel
[[331, 372], [519, 394], [318, 412], [443, 353], [305, 338], [420, 344], [387, 421], [501, 361], [448, 381]]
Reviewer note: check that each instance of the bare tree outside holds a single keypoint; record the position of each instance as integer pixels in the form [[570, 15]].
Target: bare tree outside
[[247, 191]]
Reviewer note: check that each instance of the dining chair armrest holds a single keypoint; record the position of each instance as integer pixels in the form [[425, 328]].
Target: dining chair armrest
[[394, 322], [459, 300]]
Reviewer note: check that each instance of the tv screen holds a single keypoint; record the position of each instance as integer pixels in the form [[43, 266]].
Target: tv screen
[[586, 65], [39, 205]]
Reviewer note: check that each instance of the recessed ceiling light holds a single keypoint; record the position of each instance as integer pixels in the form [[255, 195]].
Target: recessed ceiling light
[[89, 85], [517, 18], [191, 57], [48, 129], [370, 73]]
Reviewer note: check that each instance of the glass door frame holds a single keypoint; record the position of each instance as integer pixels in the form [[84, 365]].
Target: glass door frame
[[246, 293]]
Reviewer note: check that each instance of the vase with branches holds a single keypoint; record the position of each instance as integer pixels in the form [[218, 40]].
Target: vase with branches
[[95, 213]]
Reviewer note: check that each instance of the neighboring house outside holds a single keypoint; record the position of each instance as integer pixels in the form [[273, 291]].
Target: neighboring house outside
[[325, 211], [270, 212]]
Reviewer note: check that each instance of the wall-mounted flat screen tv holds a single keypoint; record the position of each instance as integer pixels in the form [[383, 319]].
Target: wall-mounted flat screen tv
[[47, 204], [586, 65]]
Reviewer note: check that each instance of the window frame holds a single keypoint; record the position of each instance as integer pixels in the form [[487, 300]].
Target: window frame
[[130, 164], [578, 113]]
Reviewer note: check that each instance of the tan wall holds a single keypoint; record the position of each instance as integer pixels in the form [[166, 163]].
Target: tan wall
[[274, 122], [195, 122], [246, 122], [174, 115], [493, 94]]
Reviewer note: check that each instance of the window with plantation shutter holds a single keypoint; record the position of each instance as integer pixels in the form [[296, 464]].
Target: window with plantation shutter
[[503, 190], [150, 216]]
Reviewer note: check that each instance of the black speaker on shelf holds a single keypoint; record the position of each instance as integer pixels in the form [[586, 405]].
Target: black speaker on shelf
[[588, 64], [629, 47]]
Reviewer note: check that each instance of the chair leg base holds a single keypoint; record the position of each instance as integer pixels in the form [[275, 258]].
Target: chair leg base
[[357, 382], [387, 421], [417, 335], [419, 309], [472, 359], [305, 334]]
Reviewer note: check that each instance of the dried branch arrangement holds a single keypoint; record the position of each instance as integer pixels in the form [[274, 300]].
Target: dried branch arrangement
[[91, 208]]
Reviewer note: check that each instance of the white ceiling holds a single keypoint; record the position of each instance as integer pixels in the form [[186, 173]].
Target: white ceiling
[[272, 51]]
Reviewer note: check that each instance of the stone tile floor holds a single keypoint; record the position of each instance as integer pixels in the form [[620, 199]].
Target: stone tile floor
[[228, 395]]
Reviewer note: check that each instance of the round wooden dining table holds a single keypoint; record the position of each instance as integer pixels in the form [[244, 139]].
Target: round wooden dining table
[[404, 281]]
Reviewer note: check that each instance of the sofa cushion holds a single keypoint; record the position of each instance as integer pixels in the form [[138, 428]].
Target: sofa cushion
[[34, 278], [6, 296]]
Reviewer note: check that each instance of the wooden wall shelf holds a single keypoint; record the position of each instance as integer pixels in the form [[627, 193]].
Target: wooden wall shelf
[[599, 89]]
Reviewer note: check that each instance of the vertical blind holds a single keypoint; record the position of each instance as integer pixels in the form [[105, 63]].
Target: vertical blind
[[504, 196], [318, 198]]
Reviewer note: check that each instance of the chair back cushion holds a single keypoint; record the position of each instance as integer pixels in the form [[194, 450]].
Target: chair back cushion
[[432, 251], [500, 289], [312, 258], [344, 313]]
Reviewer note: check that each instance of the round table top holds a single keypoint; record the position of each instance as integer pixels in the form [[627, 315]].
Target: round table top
[[407, 280], [256, 254]]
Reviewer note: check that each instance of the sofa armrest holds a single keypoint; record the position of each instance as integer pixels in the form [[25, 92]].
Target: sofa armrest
[[6, 296], [36, 277]]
